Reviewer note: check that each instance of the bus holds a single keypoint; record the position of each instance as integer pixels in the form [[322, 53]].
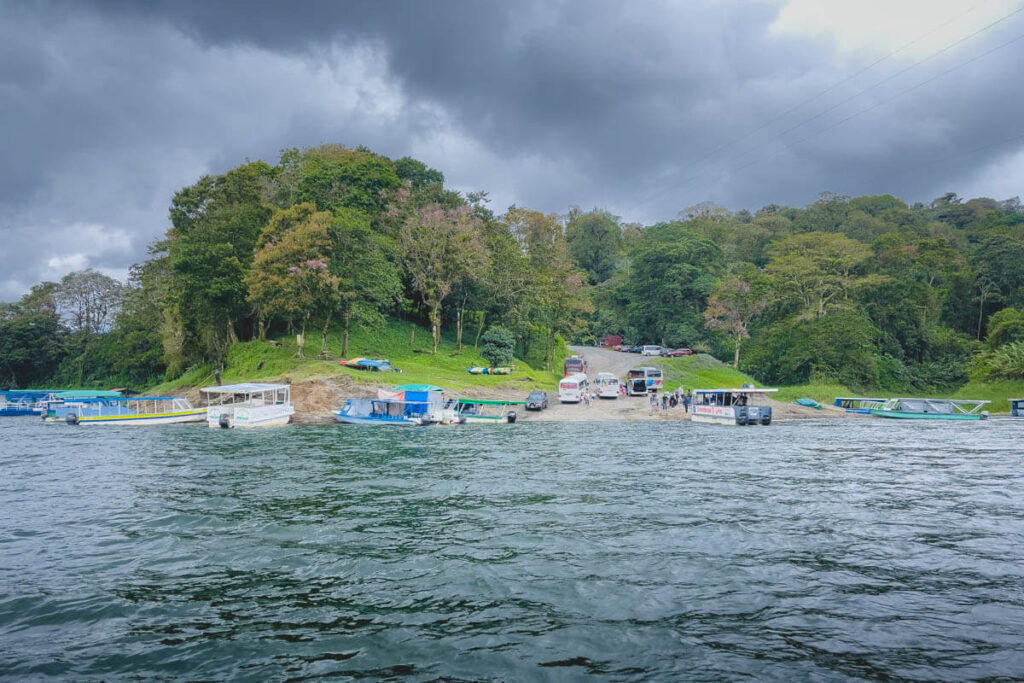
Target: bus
[[572, 388], [641, 380], [607, 385], [572, 365]]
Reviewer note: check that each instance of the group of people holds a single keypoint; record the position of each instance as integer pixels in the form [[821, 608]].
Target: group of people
[[670, 400]]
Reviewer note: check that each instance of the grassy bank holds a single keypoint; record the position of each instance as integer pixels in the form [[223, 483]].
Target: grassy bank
[[700, 371], [999, 393], [256, 361]]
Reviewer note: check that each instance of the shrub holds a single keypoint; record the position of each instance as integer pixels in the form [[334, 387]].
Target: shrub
[[499, 346]]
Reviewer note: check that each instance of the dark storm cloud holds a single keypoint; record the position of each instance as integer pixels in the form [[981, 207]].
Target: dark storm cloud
[[643, 108]]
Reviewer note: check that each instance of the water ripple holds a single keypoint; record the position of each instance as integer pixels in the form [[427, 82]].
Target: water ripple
[[827, 550]]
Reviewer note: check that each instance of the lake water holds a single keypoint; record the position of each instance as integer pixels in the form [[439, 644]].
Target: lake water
[[621, 551]]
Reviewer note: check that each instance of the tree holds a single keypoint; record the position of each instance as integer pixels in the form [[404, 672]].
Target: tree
[[819, 270], [595, 240], [499, 346], [210, 246], [291, 276], [736, 301], [88, 300], [368, 280], [441, 247]]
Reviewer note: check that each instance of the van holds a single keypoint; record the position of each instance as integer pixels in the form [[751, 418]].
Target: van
[[650, 350]]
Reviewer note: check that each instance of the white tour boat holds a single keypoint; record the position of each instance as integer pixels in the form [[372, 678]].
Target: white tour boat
[[248, 405], [744, 406]]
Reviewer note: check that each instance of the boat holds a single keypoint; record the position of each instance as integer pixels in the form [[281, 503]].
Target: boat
[[932, 409], [859, 406], [479, 370], [248, 405], [382, 411], [144, 410], [808, 403], [60, 404], [375, 364], [406, 404], [21, 402], [743, 406], [486, 411], [1017, 407]]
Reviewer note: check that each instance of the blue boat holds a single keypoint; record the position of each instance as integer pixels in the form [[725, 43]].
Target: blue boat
[[1017, 407], [60, 404], [18, 402], [860, 406], [404, 405]]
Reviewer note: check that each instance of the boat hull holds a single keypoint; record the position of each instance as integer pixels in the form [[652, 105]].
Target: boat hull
[[391, 422], [903, 415], [484, 419], [726, 415], [179, 417], [244, 418]]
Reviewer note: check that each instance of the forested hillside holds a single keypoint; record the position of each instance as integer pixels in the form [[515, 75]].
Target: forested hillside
[[867, 291]]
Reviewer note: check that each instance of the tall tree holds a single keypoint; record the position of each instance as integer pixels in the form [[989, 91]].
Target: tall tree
[[595, 240], [88, 300], [736, 301], [441, 247], [291, 277]]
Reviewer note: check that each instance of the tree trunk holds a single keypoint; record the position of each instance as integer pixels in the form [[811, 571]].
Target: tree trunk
[[435, 327], [460, 313], [323, 338], [981, 314], [736, 355], [479, 329], [412, 335], [344, 336], [263, 328], [301, 339]]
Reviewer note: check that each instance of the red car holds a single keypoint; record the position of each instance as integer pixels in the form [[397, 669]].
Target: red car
[[676, 353]]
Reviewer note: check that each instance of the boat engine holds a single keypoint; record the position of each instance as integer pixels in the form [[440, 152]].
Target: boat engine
[[71, 419], [741, 415], [224, 421], [512, 417]]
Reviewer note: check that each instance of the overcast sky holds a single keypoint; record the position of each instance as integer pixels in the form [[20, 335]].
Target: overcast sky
[[642, 108]]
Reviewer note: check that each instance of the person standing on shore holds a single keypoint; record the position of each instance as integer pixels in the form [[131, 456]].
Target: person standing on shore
[[654, 402]]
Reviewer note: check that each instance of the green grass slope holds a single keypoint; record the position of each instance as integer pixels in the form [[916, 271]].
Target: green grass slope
[[255, 361], [700, 371], [999, 393]]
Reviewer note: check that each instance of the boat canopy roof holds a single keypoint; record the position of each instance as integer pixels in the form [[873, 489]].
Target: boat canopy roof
[[743, 390], [857, 398], [958, 401], [417, 387], [247, 388], [86, 393], [489, 402]]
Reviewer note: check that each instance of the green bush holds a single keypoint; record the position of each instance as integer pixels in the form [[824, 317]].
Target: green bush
[[499, 346]]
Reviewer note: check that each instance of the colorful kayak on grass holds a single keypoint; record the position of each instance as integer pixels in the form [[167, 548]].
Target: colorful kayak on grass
[[376, 364], [476, 370]]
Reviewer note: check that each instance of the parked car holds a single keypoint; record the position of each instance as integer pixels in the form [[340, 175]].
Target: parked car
[[629, 348], [650, 350], [537, 400], [676, 353]]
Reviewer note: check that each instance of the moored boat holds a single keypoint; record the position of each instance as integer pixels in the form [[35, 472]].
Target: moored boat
[[743, 406], [860, 406], [21, 402], [403, 405], [248, 405], [486, 411], [146, 410], [1017, 407], [63, 403], [808, 403], [932, 409]]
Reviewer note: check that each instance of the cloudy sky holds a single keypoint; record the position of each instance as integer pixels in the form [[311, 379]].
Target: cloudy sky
[[643, 108]]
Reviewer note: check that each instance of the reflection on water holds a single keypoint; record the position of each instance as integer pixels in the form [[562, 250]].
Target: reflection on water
[[628, 551]]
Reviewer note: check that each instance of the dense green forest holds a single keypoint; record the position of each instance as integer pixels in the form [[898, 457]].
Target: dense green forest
[[867, 292]]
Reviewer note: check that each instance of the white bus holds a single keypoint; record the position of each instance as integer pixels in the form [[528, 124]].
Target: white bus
[[607, 385], [572, 388], [640, 381]]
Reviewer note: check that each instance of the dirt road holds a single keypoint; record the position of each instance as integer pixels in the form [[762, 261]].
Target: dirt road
[[621, 408]]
